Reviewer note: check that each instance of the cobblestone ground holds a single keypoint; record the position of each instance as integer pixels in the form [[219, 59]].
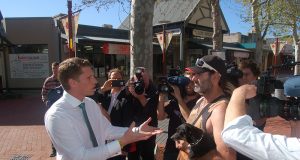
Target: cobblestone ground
[[23, 136]]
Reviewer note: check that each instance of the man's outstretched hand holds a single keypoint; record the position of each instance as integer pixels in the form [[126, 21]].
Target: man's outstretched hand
[[143, 132], [146, 129]]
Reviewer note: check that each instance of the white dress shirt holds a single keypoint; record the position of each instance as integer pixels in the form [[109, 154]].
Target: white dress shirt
[[67, 129], [253, 143]]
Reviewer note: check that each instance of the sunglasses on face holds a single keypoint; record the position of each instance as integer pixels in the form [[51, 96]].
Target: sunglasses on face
[[202, 64]]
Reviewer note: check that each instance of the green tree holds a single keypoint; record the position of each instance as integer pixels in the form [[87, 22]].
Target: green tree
[[287, 19], [258, 12]]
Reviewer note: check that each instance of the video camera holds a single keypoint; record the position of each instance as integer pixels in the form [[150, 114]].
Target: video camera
[[174, 78], [269, 106]]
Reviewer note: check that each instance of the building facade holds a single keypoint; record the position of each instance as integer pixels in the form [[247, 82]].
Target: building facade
[[41, 41], [36, 45]]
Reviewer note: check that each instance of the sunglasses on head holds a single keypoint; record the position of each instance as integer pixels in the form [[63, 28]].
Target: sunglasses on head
[[203, 64]]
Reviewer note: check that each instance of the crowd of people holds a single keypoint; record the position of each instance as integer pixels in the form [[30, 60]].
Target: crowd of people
[[119, 120]]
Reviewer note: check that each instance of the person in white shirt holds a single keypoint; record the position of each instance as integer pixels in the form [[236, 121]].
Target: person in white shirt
[[240, 134], [75, 123]]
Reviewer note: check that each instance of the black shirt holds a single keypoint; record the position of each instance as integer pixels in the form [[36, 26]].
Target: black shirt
[[142, 113], [176, 119]]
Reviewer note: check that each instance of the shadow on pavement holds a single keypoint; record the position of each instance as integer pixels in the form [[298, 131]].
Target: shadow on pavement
[[26, 110]]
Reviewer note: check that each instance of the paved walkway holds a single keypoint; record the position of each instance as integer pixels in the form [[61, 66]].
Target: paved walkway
[[23, 136], [22, 132]]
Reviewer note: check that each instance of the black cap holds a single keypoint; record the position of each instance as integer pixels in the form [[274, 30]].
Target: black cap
[[216, 63]]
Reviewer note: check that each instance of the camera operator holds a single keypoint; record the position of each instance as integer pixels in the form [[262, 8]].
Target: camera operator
[[114, 98], [181, 95], [250, 72], [240, 134], [144, 101], [250, 75]]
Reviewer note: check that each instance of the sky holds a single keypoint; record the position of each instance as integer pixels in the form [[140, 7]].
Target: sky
[[113, 15]]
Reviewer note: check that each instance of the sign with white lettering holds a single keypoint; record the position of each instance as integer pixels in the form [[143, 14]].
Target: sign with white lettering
[[200, 33]]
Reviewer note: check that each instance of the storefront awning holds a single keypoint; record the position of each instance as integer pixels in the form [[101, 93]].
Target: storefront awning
[[227, 48], [102, 39]]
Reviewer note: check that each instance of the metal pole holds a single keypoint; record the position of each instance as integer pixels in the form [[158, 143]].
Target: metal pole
[[275, 55], [71, 52], [297, 59], [181, 49], [164, 51]]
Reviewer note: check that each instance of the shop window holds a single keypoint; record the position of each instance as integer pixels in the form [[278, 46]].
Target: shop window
[[31, 49], [103, 62]]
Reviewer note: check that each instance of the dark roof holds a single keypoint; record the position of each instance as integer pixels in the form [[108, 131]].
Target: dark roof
[[171, 10], [27, 18], [94, 31]]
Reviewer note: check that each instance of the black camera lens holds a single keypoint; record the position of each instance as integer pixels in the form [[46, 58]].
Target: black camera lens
[[165, 88], [139, 87]]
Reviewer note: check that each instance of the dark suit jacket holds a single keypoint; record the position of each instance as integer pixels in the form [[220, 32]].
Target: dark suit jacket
[[122, 113]]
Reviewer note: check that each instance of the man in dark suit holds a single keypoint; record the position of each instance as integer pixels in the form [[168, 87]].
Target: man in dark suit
[[116, 101]]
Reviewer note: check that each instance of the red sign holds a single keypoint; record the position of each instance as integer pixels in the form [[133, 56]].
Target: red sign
[[111, 48]]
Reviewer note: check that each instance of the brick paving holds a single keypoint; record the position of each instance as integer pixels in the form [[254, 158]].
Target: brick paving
[[22, 132], [23, 136], [277, 125]]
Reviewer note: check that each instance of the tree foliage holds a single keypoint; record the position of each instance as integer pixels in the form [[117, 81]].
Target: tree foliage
[[286, 20], [98, 4], [277, 17], [261, 14]]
